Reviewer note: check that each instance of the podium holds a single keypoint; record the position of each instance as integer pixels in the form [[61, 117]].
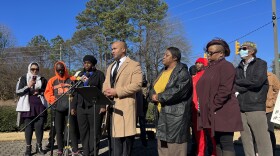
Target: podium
[[96, 97]]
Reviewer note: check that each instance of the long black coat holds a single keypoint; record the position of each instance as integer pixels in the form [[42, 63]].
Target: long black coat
[[219, 108], [175, 115]]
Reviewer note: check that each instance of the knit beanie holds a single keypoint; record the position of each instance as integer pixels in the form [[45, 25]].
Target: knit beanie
[[90, 58], [202, 60]]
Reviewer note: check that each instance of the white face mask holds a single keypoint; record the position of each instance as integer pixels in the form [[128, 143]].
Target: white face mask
[[243, 53]]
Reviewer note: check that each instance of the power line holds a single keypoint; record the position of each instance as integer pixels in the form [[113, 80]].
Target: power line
[[252, 31], [221, 10], [184, 3], [182, 13]]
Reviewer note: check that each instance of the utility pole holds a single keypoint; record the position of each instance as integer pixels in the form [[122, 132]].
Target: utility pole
[[275, 32]]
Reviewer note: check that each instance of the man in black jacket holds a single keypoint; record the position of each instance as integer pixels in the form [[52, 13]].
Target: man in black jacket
[[251, 91]]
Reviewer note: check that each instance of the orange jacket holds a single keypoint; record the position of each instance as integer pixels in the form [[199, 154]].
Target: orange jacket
[[49, 92]]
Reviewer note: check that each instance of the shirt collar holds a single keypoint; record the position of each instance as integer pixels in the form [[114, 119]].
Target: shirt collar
[[122, 59], [249, 61]]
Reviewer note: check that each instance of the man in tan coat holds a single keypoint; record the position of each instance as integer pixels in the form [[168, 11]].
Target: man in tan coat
[[123, 80], [274, 86]]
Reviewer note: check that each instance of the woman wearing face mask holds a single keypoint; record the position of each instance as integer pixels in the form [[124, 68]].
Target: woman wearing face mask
[[30, 88], [218, 108]]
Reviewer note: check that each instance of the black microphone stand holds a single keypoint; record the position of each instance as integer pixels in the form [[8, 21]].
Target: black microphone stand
[[50, 106]]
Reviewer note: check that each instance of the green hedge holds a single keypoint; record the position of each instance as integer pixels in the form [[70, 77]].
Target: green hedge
[[8, 119], [150, 114]]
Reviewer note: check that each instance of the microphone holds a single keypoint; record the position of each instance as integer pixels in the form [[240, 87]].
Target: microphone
[[81, 77], [78, 74], [34, 79]]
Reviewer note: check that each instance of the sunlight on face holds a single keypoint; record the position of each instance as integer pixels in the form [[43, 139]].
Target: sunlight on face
[[34, 69]]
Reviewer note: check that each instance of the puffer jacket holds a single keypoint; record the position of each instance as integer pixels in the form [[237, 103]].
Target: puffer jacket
[[253, 87], [175, 116]]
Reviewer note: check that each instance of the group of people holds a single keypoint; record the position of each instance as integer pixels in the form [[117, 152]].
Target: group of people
[[215, 100], [123, 80]]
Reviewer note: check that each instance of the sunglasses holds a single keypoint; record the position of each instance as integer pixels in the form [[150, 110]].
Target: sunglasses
[[33, 69], [243, 48], [60, 70], [211, 53]]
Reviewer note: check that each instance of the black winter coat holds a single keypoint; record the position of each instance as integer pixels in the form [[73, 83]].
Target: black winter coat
[[175, 115], [96, 79], [22, 87], [252, 88]]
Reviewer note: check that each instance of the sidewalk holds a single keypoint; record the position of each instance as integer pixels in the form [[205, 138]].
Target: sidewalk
[[11, 147], [16, 148]]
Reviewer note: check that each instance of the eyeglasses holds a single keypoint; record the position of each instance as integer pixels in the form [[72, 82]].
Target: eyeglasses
[[212, 53], [243, 48], [33, 69]]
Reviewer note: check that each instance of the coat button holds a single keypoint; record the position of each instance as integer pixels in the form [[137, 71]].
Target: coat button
[[214, 112]]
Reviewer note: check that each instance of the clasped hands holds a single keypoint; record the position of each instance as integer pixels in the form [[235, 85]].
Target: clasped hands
[[110, 92], [155, 98]]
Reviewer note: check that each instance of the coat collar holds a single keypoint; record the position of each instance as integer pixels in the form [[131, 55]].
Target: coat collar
[[122, 67], [178, 67], [241, 64], [91, 78]]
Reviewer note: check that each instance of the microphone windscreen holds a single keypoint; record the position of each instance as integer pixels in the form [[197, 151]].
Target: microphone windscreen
[[77, 74]]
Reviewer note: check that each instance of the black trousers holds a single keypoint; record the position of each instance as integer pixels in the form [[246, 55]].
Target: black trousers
[[122, 146], [52, 131], [224, 142], [60, 121], [86, 126], [271, 131], [38, 124]]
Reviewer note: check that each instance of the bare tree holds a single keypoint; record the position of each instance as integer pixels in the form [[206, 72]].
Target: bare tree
[[7, 40]]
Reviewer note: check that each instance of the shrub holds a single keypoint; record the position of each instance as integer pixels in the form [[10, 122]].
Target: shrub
[[150, 113], [8, 119]]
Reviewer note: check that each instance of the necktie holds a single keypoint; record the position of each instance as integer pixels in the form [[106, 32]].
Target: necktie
[[115, 71]]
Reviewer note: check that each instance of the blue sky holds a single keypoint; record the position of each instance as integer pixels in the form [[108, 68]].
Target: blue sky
[[202, 20]]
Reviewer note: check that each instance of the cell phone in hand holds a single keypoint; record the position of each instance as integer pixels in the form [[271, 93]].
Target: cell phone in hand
[[34, 78]]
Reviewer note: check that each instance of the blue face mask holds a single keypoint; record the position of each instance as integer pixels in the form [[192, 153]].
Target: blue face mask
[[243, 53]]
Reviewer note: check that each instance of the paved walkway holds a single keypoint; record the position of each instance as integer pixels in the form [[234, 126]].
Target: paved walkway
[[17, 148]]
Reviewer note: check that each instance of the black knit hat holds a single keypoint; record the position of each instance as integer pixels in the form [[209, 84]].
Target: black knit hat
[[91, 59]]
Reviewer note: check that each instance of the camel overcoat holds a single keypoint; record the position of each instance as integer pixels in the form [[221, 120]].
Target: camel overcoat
[[127, 83]]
